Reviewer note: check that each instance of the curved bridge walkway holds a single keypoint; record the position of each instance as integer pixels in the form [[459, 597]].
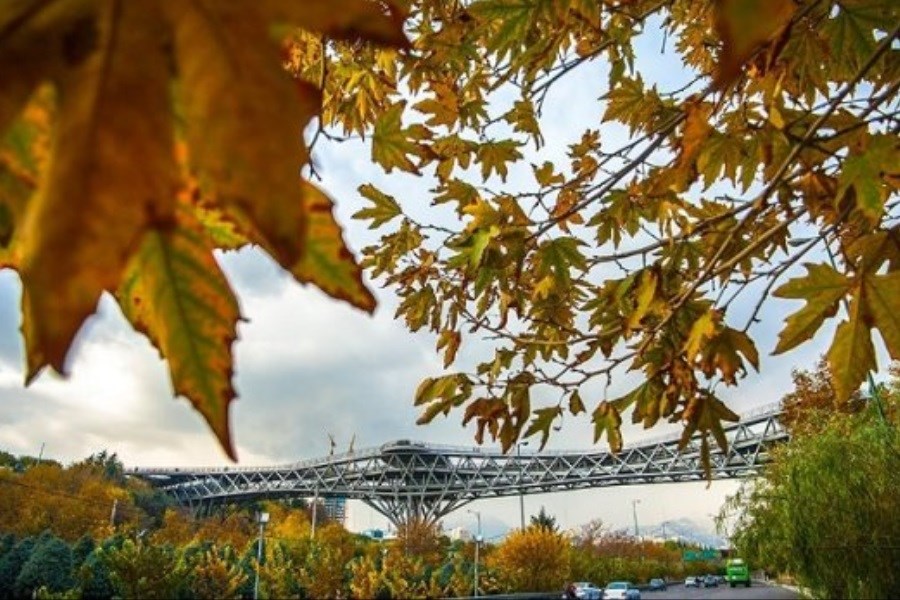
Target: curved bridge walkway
[[405, 479]]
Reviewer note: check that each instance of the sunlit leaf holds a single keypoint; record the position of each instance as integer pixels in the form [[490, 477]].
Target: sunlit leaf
[[882, 293], [745, 26], [384, 207], [176, 294], [822, 288], [392, 144], [852, 355]]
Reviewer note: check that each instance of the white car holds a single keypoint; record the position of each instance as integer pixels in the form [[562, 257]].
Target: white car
[[585, 590], [621, 590]]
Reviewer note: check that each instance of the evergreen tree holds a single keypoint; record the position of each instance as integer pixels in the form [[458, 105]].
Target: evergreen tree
[[82, 549], [94, 575], [544, 520], [11, 565], [50, 566], [7, 542]]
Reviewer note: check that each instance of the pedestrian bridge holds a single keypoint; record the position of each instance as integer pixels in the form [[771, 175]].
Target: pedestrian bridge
[[406, 479]]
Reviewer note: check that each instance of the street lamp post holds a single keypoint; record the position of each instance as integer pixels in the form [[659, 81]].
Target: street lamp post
[[637, 532], [477, 544], [262, 518], [521, 493]]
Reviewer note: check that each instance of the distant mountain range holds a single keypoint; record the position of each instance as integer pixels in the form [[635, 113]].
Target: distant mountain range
[[685, 530]]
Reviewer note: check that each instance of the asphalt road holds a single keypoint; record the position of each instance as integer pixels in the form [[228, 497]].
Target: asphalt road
[[757, 591]]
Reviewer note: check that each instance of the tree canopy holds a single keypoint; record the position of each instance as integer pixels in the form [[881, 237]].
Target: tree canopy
[[651, 246], [825, 510]]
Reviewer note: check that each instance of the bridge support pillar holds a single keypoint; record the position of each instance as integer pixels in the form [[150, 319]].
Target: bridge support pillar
[[400, 511]]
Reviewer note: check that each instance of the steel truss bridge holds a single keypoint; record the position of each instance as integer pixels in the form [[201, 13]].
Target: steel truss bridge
[[405, 479]]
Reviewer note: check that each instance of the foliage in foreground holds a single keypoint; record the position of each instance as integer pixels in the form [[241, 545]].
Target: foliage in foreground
[[826, 510], [136, 138], [777, 146]]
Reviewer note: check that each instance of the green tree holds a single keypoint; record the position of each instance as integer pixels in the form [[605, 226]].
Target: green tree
[[107, 465], [825, 510], [139, 570], [94, 578], [7, 543], [544, 520], [49, 566], [81, 550], [151, 501], [217, 575], [12, 562]]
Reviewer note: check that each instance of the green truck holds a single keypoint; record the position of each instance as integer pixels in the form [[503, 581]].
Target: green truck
[[737, 572]]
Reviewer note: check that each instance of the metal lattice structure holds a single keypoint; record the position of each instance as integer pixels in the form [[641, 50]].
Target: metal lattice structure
[[405, 479]]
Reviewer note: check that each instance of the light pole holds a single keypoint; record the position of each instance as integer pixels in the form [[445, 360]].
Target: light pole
[[477, 544], [521, 493], [634, 503], [262, 518], [312, 529]]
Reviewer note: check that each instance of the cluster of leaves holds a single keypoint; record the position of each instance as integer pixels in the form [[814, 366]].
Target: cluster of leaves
[[138, 137], [780, 147], [814, 394], [825, 511]]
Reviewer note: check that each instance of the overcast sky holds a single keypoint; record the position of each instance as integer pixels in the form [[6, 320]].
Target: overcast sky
[[307, 366]]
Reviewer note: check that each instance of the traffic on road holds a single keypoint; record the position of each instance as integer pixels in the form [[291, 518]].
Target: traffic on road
[[677, 590], [758, 590]]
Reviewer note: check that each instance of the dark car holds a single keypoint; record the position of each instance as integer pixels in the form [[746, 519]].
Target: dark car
[[657, 585], [710, 581]]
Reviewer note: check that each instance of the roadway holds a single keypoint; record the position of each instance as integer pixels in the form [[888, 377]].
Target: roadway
[[757, 591]]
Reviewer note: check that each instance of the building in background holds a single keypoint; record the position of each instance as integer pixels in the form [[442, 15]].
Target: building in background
[[336, 509]]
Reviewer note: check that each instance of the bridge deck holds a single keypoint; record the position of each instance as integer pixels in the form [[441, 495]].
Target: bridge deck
[[405, 478]]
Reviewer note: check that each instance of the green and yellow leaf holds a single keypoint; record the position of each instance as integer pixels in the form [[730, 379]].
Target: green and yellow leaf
[[822, 288], [541, 423], [80, 233], [326, 261], [175, 293], [852, 355], [384, 207], [393, 145], [608, 421]]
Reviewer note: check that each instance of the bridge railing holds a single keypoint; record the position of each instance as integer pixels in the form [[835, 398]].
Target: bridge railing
[[763, 410]]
